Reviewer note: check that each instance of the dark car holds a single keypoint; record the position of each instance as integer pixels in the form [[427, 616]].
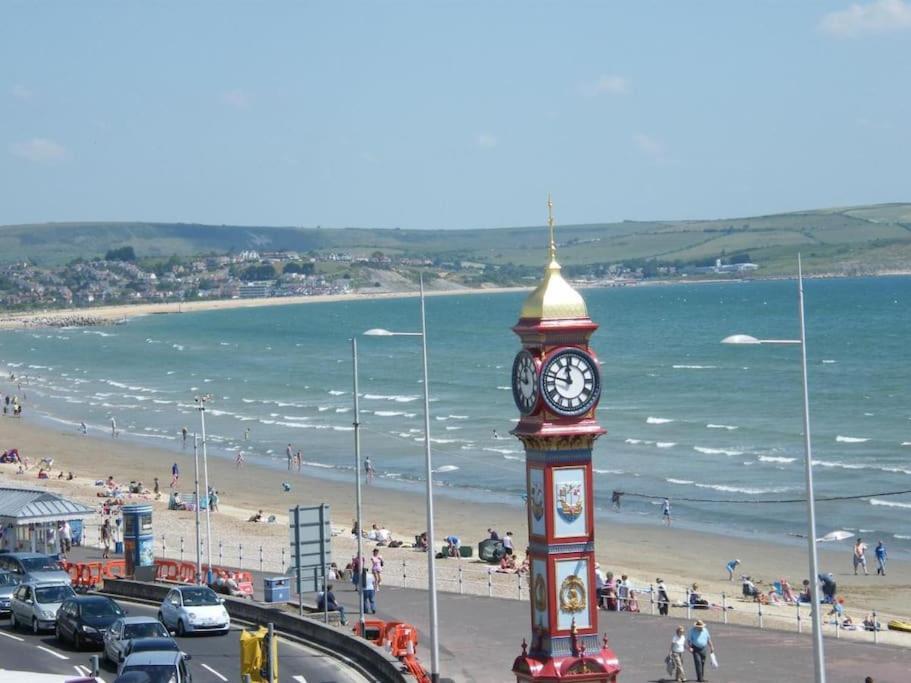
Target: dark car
[[82, 620]]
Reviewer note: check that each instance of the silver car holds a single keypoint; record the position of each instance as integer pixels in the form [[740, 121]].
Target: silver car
[[33, 567], [119, 637], [35, 605], [8, 583], [159, 667]]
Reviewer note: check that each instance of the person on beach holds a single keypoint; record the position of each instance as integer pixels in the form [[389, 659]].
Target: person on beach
[[247, 434], [289, 453], [156, 489], [880, 559], [664, 601], [508, 543], [239, 459], [731, 566], [368, 590], [700, 644], [860, 557], [453, 545], [106, 538], [83, 428], [213, 500], [615, 500], [183, 434], [298, 459], [113, 428], [492, 534], [368, 469], [376, 567], [666, 512], [258, 517], [175, 475], [678, 646]]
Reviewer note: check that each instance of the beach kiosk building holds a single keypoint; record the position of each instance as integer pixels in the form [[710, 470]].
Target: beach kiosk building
[[29, 519]]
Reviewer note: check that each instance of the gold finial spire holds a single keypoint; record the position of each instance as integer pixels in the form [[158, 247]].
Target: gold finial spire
[[552, 250]]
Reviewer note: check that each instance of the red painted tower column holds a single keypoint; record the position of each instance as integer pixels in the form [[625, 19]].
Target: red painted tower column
[[556, 383]]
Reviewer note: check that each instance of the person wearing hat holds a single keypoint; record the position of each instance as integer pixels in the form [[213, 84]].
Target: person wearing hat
[[663, 600], [678, 645], [731, 566], [700, 643]]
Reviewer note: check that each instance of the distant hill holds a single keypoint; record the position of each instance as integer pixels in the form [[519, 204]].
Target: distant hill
[[859, 239]]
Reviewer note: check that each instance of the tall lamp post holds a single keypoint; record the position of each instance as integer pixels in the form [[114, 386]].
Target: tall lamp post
[[431, 569], [818, 652], [201, 407], [196, 488], [357, 477]]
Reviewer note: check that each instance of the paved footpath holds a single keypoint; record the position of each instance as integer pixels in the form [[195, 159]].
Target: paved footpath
[[480, 637]]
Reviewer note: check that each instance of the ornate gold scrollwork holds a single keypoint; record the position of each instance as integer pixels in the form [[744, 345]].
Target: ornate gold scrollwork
[[572, 595]]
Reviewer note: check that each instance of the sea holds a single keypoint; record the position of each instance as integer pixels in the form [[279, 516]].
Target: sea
[[716, 428]]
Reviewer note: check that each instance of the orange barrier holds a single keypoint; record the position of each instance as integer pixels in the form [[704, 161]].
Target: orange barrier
[[115, 569], [374, 631], [168, 570]]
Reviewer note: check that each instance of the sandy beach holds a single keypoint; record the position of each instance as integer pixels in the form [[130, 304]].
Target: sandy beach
[[112, 314], [681, 557]]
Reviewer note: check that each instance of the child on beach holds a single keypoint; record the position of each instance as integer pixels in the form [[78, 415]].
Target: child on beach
[[376, 567], [239, 460], [175, 475]]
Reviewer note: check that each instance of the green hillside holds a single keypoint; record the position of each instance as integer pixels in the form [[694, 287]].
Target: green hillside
[[851, 239]]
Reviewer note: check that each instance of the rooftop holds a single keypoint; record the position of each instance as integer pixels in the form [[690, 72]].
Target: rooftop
[[27, 506]]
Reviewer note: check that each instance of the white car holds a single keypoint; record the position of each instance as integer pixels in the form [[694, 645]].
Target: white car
[[35, 605], [194, 609]]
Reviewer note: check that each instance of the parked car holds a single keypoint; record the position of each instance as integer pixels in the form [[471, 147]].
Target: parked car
[[161, 666], [83, 619], [8, 583], [35, 604], [125, 632], [191, 609], [33, 567]]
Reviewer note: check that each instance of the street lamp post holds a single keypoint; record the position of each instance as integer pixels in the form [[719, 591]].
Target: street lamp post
[[201, 407], [196, 486], [431, 565], [357, 477], [818, 651]]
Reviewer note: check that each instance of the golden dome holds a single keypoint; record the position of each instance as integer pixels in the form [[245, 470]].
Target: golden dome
[[554, 298]]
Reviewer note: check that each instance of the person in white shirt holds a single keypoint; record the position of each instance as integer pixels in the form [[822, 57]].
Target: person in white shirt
[[678, 645], [507, 542]]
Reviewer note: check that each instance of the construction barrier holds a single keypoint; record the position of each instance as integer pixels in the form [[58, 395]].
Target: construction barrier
[[400, 638]]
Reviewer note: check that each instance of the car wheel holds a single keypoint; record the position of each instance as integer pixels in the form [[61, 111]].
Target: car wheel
[[12, 621], [58, 633], [35, 628], [77, 642], [181, 631]]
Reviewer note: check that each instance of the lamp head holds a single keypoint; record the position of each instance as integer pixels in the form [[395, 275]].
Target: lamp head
[[740, 339], [378, 332]]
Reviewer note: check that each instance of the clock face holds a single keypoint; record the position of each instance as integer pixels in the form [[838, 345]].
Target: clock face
[[570, 382], [525, 382]]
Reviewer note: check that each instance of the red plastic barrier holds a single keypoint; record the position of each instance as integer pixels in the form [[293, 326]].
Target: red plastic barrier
[[115, 569], [168, 570]]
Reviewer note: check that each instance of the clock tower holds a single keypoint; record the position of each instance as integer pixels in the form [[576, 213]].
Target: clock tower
[[556, 383]]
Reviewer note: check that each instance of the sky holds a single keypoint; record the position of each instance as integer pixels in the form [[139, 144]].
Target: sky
[[431, 114]]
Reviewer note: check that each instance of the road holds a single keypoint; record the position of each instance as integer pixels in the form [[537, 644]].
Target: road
[[216, 659]]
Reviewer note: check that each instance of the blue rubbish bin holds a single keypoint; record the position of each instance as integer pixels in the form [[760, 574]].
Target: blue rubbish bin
[[138, 541], [277, 589]]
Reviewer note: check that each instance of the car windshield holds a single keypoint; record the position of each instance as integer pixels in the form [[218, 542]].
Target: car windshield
[[149, 630], [101, 608], [199, 597], [156, 673], [54, 593], [8, 579], [40, 564]]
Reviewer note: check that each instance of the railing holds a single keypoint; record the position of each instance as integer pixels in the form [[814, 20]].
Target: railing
[[462, 576]]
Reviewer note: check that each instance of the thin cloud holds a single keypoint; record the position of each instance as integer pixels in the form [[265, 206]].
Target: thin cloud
[[487, 141], [879, 16], [608, 84], [236, 98], [651, 147], [39, 151], [20, 92]]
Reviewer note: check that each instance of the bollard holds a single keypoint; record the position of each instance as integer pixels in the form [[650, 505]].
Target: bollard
[[164, 547], [461, 589], [283, 560], [651, 599], [404, 572], [724, 608], [836, 628], [519, 585], [220, 553], [799, 623], [181, 548], [260, 558], [489, 584], [240, 555], [760, 614], [875, 629], [688, 606], [247, 678]]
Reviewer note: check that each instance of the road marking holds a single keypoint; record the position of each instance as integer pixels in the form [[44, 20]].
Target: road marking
[[299, 679], [213, 671], [12, 637], [51, 652], [82, 671]]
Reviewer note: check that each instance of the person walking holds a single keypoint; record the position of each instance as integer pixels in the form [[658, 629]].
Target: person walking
[[184, 433], [731, 566], [666, 512], [106, 538], [368, 588], [289, 453], [376, 567], [113, 428], [678, 645], [298, 459], [664, 602], [860, 558], [880, 559], [700, 644], [83, 428], [175, 475]]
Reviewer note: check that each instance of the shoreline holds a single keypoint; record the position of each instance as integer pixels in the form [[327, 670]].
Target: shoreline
[[641, 549]]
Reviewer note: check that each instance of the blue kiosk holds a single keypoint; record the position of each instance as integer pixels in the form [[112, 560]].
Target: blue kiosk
[[138, 540]]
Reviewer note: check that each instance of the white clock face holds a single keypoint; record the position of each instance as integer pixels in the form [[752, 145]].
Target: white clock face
[[525, 382], [570, 382]]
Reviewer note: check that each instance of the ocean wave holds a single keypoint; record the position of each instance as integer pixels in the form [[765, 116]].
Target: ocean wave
[[745, 490], [337, 428], [294, 418], [906, 443], [658, 420], [598, 471], [851, 439], [901, 537], [503, 451], [841, 465], [323, 409], [322, 465], [694, 367], [99, 333], [388, 413], [889, 503], [665, 444], [458, 417], [716, 451], [828, 361], [446, 468], [342, 410], [450, 428], [336, 392], [728, 427], [513, 457], [683, 482], [775, 458], [435, 440], [637, 442]]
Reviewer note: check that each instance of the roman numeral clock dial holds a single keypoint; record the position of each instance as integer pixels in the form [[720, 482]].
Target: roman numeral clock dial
[[525, 382], [570, 382]]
